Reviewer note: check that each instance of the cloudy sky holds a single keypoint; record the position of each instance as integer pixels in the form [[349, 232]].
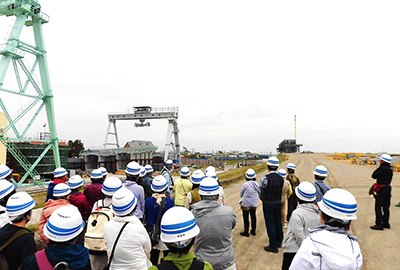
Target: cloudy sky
[[238, 71]]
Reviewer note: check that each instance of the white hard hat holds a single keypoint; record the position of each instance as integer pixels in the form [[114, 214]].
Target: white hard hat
[[273, 161], [282, 172], [64, 224], [123, 202], [306, 191], [185, 171], [387, 158], [340, 204], [250, 174], [133, 168], [178, 227], [6, 187], [210, 168], [197, 176], [96, 174], [209, 187], [18, 204], [291, 166], [149, 168], [75, 181], [142, 171], [103, 171], [321, 170], [169, 162], [4, 171], [60, 171], [111, 185], [159, 183], [61, 190], [212, 174]]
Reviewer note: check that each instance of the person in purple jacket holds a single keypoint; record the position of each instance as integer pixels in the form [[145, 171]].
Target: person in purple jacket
[[249, 201], [132, 175]]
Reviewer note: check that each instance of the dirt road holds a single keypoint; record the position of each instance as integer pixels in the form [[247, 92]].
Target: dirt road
[[380, 248]]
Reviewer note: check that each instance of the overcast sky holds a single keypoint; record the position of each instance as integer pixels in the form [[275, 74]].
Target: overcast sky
[[238, 71]]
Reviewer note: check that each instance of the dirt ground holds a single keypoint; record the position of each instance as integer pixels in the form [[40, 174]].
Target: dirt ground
[[379, 248]]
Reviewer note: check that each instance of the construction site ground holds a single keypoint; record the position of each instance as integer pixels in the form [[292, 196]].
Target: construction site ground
[[379, 248]]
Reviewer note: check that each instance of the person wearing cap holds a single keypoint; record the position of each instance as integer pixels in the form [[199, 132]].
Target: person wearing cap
[[286, 192], [331, 246], [104, 172], [182, 187], [294, 182], [214, 243], [132, 174], [5, 172], [304, 217], [140, 181], [149, 174], [60, 176], [178, 232], [166, 172], [320, 173], [134, 243], [213, 174], [152, 208], [271, 195], [7, 189], [249, 201], [92, 191], [61, 195], [19, 209], [62, 230], [193, 196], [383, 175], [77, 198]]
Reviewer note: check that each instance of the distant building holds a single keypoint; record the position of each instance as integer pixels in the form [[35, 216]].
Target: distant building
[[288, 146]]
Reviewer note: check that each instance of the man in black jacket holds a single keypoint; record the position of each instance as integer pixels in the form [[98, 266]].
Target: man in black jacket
[[383, 175], [271, 195]]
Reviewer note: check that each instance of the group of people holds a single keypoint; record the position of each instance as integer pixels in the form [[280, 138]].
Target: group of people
[[145, 215]]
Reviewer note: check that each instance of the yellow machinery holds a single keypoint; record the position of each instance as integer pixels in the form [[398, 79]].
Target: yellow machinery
[[396, 167]]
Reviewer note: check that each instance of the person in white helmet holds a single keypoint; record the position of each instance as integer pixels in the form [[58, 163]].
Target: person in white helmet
[[133, 245], [61, 198], [7, 189], [93, 190], [149, 174], [320, 173], [62, 230], [182, 187], [286, 192], [294, 182], [193, 196], [5, 172], [304, 217], [214, 242], [19, 209], [213, 174], [140, 181], [77, 198], [60, 176], [152, 209], [249, 196], [104, 172], [331, 246], [271, 195], [178, 232], [166, 172], [382, 188], [132, 173]]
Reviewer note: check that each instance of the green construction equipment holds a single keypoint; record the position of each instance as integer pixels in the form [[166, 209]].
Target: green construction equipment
[[27, 14]]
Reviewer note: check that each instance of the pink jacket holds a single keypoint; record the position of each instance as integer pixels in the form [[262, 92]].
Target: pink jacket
[[48, 209]]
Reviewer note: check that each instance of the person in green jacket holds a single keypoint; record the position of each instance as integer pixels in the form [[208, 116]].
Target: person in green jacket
[[178, 231]]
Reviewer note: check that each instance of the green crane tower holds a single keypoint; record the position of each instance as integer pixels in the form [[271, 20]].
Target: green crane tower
[[28, 14]]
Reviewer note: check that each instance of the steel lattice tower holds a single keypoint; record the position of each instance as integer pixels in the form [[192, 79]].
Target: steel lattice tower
[[27, 14]]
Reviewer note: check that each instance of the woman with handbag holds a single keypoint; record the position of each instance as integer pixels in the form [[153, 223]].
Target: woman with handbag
[[155, 207], [125, 236]]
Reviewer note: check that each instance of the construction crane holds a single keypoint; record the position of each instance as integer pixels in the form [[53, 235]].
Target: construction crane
[[144, 113], [38, 92]]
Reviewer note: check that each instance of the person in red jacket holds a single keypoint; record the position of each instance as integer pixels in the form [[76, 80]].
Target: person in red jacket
[[93, 191], [78, 199], [60, 176]]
